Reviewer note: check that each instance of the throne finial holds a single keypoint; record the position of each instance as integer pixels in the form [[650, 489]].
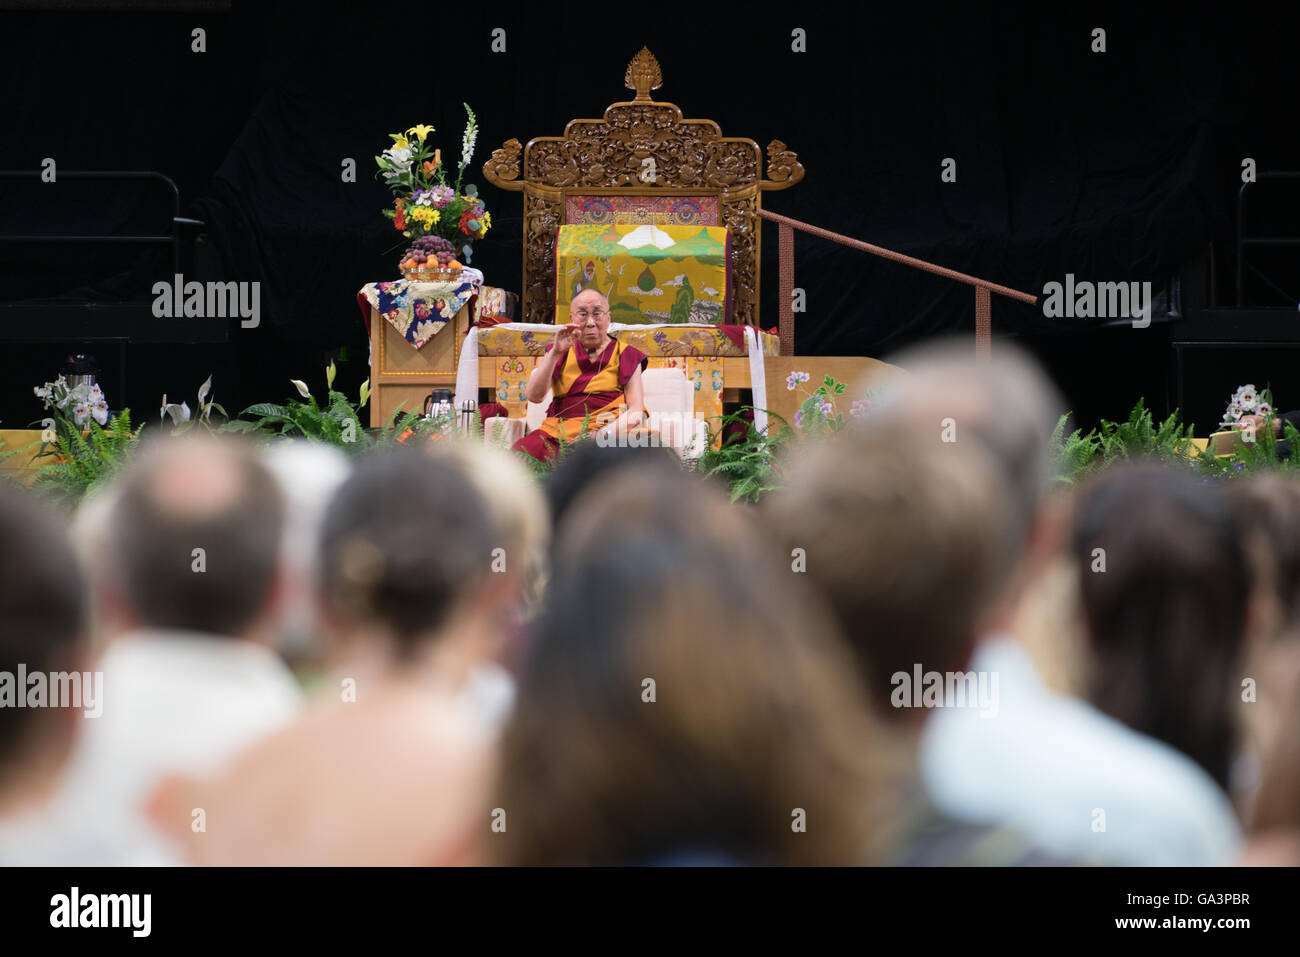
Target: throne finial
[[643, 75]]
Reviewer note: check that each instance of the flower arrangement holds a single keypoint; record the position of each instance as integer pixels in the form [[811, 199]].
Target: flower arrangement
[[425, 202], [81, 402], [81, 461], [1248, 401]]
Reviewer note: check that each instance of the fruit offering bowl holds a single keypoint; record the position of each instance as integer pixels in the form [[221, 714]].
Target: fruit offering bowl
[[430, 259], [431, 272]]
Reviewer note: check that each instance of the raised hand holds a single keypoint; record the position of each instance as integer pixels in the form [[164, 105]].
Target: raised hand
[[566, 337]]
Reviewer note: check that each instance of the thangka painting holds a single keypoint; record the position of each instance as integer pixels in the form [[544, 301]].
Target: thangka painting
[[649, 273]]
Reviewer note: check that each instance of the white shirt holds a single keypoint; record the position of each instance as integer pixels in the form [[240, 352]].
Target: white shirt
[[173, 703], [1074, 781]]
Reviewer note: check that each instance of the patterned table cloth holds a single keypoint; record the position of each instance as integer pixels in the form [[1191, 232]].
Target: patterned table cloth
[[419, 310]]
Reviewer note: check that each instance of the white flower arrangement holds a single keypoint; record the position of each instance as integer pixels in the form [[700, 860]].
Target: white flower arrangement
[[82, 402], [399, 162], [1247, 400]]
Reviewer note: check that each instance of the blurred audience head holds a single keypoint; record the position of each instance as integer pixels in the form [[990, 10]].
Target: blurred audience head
[[91, 531], [1006, 402], [520, 513], [43, 628], [1268, 510], [197, 527], [407, 553], [1163, 583], [907, 538], [684, 701], [308, 475], [587, 462]]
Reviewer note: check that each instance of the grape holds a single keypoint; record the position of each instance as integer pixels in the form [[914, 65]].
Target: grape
[[429, 252]]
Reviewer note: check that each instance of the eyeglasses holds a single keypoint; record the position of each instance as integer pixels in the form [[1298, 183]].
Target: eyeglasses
[[582, 315]]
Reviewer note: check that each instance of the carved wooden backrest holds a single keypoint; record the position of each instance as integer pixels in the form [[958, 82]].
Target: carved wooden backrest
[[641, 148]]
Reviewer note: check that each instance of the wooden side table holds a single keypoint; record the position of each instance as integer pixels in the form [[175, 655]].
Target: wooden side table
[[400, 373]]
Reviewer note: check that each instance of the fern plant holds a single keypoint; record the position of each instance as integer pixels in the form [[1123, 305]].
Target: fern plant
[[749, 464], [1140, 437], [1075, 454], [84, 461], [337, 422]]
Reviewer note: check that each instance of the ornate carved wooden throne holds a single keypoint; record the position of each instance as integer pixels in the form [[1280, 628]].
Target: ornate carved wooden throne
[[646, 152]]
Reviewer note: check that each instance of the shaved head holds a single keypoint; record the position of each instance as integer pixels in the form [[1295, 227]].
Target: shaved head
[[589, 298]]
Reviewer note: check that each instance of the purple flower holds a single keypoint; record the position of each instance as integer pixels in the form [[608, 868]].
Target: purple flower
[[860, 408], [827, 408], [798, 419], [441, 196]]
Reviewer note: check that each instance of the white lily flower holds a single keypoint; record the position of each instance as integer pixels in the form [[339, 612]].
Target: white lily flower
[[399, 158], [204, 390], [99, 411], [302, 388]]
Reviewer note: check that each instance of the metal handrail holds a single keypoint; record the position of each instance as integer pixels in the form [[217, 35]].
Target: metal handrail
[[983, 288], [173, 239]]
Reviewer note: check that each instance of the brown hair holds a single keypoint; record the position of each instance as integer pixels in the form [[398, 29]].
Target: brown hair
[[753, 728], [1166, 619], [906, 537], [404, 539], [1267, 508], [42, 605]]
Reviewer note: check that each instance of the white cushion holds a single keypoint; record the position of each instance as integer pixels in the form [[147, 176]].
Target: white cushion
[[668, 390], [670, 409]]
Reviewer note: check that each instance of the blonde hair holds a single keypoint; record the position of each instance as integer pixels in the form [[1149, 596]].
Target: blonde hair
[[517, 507]]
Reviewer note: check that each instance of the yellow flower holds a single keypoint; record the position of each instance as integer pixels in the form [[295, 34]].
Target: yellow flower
[[421, 131], [401, 143], [487, 223], [425, 215]]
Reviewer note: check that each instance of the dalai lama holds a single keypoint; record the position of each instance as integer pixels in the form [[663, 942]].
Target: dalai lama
[[592, 377]]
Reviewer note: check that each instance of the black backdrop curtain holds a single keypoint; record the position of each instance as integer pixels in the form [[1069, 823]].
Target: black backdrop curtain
[[1114, 166]]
